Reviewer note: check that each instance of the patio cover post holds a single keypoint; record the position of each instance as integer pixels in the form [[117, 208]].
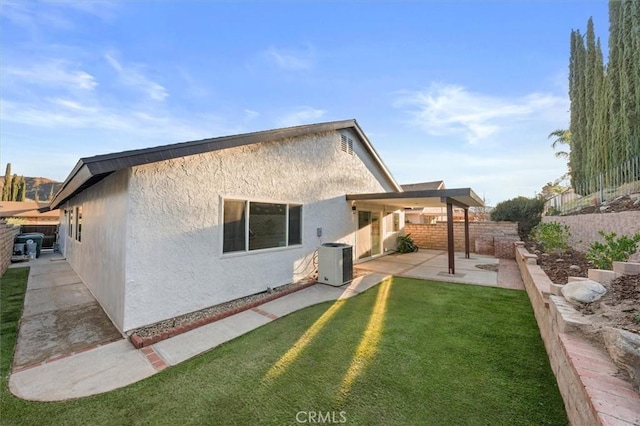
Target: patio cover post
[[450, 248], [466, 233]]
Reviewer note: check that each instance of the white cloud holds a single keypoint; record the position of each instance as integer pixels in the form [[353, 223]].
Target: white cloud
[[453, 110], [289, 59], [302, 115], [52, 73], [132, 76], [42, 15]]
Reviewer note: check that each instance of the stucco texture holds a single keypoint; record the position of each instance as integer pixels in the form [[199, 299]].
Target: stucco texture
[[174, 261], [100, 258]]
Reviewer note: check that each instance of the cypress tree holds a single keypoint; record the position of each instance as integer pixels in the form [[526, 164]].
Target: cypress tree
[[577, 96], [613, 82], [6, 188], [15, 184], [635, 39], [587, 123], [22, 189], [627, 88], [600, 129]]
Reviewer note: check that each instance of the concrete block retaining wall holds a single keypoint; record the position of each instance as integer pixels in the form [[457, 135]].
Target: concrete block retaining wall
[[7, 234], [593, 394], [494, 238], [585, 227]]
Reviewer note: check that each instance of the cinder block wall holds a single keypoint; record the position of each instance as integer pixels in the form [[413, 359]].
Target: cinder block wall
[[584, 227], [7, 235], [434, 236]]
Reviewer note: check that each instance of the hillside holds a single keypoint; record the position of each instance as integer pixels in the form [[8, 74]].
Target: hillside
[[38, 188]]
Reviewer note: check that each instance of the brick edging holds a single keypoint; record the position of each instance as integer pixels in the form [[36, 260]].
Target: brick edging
[[140, 341]]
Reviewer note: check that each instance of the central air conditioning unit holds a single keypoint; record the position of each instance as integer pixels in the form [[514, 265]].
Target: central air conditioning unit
[[335, 264]]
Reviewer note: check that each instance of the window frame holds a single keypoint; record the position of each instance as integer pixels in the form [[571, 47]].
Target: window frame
[[247, 223], [70, 223], [78, 224]]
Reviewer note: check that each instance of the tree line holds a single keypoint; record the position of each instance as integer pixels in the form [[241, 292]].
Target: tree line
[[605, 98]]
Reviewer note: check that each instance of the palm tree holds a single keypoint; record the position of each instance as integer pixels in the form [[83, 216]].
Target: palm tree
[[562, 137]]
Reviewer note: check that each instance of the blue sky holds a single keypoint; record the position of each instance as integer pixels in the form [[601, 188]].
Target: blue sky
[[465, 91]]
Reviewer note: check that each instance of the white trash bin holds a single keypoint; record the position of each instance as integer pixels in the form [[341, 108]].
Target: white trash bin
[[32, 249]]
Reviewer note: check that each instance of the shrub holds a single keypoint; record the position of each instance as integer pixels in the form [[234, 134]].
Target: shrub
[[613, 250], [553, 236], [526, 211], [406, 244]]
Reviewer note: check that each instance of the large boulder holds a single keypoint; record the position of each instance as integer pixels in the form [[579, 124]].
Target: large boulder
[[585, 291], [624, 349]]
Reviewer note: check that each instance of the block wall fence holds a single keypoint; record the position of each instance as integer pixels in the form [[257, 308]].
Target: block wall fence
[[7, 235], [494, 238], [584, 228]]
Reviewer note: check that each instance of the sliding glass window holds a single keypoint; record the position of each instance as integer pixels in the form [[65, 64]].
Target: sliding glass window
[[267, 225]]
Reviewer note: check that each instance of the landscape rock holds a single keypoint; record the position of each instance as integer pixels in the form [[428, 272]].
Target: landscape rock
[[574, 267], [585, 291], [624, 349]]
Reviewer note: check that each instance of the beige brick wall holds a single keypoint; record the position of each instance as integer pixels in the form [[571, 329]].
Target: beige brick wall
[[494, 237], [7, 234], [584, 228]]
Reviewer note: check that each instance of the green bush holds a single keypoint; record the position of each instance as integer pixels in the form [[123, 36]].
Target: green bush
[[553, 236], [613, 250], [406, 244], [526, 211]]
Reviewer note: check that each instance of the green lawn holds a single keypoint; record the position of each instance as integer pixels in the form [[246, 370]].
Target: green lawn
[[404, 352]]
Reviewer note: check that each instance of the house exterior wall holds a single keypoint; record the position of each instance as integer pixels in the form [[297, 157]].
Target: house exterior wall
[[175, 263], [99, 259]]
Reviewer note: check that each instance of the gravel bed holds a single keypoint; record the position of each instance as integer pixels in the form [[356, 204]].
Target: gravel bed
[[159, 327]]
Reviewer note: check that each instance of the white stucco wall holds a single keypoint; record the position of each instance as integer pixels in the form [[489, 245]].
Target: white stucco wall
[[175, 263], [100, 258]]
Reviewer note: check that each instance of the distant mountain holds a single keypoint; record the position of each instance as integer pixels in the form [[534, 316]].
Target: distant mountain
[[38, 188]]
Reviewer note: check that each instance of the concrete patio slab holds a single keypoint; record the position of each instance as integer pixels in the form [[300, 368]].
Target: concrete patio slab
[[187, 345], [53, 298], [102, 369], [60, 315], [57, 278], [62, 331], [386, 266], [434, 265]]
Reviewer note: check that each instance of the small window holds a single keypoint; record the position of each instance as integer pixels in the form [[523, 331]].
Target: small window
[[396, 222], [79, 223], [234, 226], [70, 223], [267, 225], [295, 225]]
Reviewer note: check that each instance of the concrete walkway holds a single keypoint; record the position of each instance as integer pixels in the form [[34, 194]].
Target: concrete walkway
[[105, 367], [60, 315], [108, 366]]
